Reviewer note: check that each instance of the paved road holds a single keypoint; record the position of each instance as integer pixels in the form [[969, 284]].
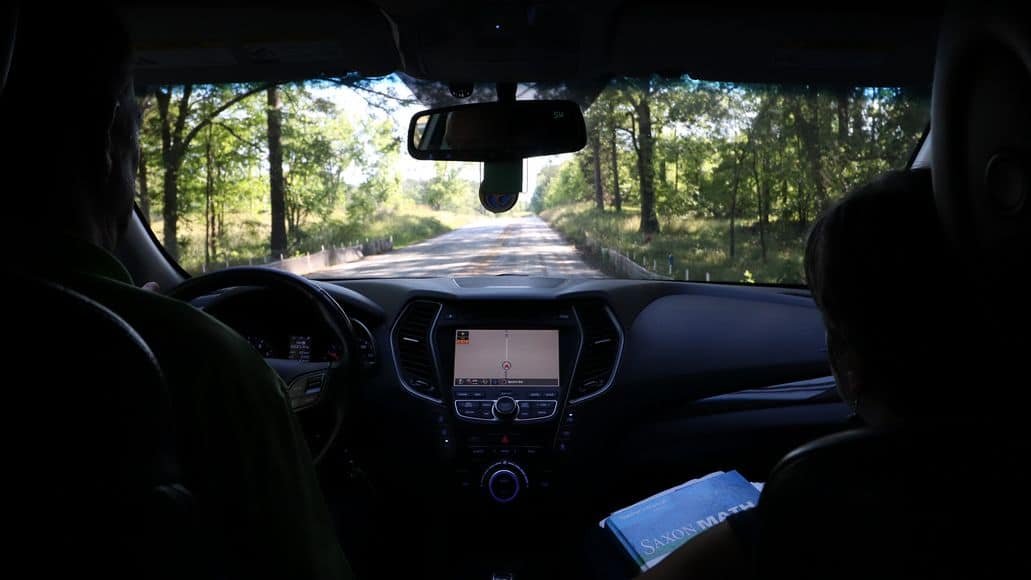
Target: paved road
[[525, 246]]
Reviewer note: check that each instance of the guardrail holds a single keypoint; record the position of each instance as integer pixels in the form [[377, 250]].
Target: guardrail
[[643, 267], [327, 257], [614, 262]]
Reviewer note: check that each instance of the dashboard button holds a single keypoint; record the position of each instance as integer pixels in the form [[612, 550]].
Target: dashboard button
[[463, 394], [538, 413], [478, 451], [468, 409], [550, 405], [551, 394], [483, 410], [525, 410]]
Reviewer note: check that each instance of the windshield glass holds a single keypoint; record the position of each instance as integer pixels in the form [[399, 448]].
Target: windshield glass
[[680, 179]]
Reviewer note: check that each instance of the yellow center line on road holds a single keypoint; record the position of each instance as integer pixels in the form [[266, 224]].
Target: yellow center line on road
[[483, 262]]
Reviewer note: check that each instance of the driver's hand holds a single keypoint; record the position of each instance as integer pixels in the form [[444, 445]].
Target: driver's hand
[[152, 287]]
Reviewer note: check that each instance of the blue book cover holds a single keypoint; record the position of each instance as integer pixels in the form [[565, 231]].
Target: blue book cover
[[650, 529]]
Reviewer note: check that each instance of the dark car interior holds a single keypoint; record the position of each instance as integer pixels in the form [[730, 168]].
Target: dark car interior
[[655, 382]]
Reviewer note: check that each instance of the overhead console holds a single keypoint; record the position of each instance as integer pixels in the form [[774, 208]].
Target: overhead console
[[506, 378]]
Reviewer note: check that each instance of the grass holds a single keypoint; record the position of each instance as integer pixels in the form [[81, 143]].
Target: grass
[[698, 244], [247, 233]]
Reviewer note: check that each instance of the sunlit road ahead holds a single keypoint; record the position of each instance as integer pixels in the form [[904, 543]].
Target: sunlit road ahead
[[524, 245]]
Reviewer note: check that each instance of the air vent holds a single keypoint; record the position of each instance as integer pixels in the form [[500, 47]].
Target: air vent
[[414, 351], [599, 355]]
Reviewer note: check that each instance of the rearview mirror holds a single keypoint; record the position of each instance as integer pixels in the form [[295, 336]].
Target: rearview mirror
[[497, 131]]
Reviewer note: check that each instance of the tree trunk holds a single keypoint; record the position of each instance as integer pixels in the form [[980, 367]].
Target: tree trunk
[[170, 210], [173, 148], [645, 156], [760, 193], [764, 208], [209, 209], [814, 152], [144, 191], [169, 192], [842, 98], [676, 167], [733, 204], [277, 188], [599, 195], [809, 134], [617, 197], [803, 206]]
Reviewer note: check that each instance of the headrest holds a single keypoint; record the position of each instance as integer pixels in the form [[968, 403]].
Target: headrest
[[981, 141], [894, 504]]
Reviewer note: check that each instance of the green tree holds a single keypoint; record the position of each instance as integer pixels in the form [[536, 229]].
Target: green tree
[[447, 190], [183, 112], [377, 155], [277, 182]]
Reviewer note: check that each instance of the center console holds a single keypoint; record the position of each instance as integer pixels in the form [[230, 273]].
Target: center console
[[504, 384], [506, 374]]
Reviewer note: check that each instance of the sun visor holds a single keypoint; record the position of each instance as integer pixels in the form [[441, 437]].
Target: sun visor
[[782, 45], [173, 46]]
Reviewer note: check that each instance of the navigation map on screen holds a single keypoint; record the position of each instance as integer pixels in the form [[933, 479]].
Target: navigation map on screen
[[513, 358]]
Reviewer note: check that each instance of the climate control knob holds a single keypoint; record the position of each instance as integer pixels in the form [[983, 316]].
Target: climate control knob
[[505, 408], [504, 481]]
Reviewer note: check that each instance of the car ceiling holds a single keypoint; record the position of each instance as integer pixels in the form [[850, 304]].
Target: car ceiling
[[533, 41]]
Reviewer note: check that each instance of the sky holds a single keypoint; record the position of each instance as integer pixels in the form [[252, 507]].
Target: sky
[[356, 107]]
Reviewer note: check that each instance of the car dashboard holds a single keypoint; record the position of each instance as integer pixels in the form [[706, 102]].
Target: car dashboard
[[498, 402]]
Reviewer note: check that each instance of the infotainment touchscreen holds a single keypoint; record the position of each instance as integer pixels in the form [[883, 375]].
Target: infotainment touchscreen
[[512, 358]]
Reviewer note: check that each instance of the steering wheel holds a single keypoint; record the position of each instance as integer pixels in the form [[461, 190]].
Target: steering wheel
[[334, 374]]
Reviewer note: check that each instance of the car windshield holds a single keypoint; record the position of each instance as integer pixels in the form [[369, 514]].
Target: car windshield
[[680, 179]]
